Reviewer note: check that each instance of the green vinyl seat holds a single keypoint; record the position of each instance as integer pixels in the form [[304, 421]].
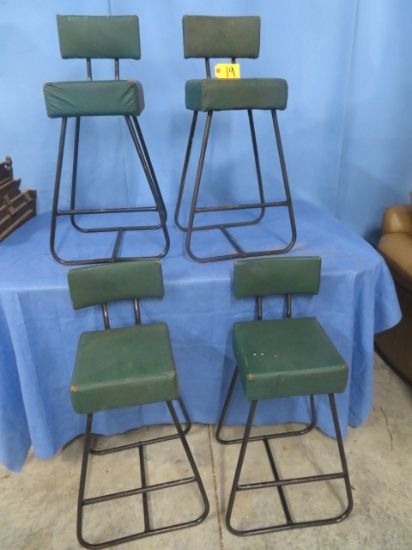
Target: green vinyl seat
[[277, 358], [243, 94], [232, 38], [102, 38], [95, 98], [287, 357], [145, 368], [118, 367]]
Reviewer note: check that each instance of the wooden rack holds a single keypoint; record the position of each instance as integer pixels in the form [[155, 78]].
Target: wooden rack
[[16, 207]]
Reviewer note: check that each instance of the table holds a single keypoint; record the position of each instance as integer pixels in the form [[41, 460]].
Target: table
[[39, 331]]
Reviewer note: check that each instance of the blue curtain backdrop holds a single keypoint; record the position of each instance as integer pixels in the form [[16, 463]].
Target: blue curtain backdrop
[[347, 129]]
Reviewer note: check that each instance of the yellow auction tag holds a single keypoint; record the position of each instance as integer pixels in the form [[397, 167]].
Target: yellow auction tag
[[227, 70]]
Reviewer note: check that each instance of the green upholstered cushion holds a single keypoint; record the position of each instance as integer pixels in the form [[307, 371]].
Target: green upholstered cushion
[[209, 36], [267, 276], [91, 286], [287, 357], [246, 93], [93, 98], [108, 37], [123, 367]]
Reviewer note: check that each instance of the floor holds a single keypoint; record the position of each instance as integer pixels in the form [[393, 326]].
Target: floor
[[38, 506]]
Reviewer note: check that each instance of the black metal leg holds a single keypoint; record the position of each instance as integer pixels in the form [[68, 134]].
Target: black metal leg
[[74, 173], [224, 411], [285, 180], [83, 476], [262, 205], [239, 466], [72, 211], [55, 204], [154, 186], [257, 165], [145, 487], [192, 463], [150, 166], [279, 483], [342, 457], [197, 186], [146, 169], [184, 173], [152, 181], [186, 416]]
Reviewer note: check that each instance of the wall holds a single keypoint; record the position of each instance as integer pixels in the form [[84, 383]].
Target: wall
[[347, 129]]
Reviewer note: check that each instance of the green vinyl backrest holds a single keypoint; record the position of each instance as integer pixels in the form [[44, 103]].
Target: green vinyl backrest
[[91, 286], [99, 37], [213, 37], [267, 276]]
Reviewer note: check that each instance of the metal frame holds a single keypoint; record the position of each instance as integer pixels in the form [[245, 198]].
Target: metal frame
[[262, 205], [279, 483], [159, 207], [145, 489]]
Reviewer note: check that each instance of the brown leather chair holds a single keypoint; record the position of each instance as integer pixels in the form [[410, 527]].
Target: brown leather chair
[[395, 246]]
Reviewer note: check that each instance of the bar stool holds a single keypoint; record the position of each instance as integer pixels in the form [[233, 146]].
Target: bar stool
[[230, 37], [100, 37], [123, 367], [285, 357]]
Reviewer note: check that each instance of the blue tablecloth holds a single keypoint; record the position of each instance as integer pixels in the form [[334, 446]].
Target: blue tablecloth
[[39, 332]]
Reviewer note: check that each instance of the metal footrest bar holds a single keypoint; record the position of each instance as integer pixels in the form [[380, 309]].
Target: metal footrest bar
[[191, 228], [158, 209], [227, 208], [139, 491], [101, 211], [116, 228], [279, 483], [292, 481], [144, 490], [202, 209], [80, 211]]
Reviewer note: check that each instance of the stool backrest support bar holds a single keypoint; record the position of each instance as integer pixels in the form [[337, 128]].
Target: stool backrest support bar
[[90, 286], [270, 276], [99, 37], [221, 37]]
